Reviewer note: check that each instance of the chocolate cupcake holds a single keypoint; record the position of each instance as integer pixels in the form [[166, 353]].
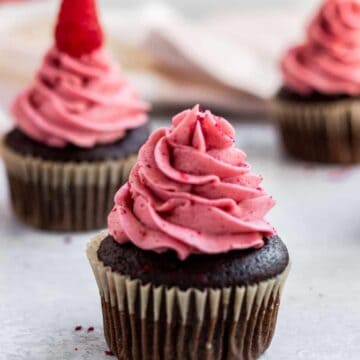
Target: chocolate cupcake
[[317, 108], [189, 268], [79, 127]]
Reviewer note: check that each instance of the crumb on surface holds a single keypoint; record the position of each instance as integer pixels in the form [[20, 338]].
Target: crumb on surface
[[67, 239]]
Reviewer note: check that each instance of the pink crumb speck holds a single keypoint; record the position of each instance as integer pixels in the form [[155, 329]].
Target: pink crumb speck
[[339, 174], [78, 328], [90, 329], [108, 353], [67, 239]]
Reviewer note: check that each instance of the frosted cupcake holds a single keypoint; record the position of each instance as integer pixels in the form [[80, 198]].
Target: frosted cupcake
[[189, 267], [318, 107], [79, 127]]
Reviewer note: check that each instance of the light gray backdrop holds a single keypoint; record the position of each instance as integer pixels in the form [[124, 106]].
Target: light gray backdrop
[[201, 7]]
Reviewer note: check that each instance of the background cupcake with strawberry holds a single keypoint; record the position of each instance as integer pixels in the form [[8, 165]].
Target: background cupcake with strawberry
[[79, 126]]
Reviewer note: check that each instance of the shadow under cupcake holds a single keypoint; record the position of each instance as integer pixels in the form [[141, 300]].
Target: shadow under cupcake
[[79, 127]]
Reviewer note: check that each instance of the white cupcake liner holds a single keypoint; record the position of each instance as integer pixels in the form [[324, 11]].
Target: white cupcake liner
[[327, 131], [159, 322], [63, 196]]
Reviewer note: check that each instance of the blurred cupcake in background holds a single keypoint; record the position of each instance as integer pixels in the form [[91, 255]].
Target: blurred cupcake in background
[[78, 129], [318, 108], [190, 268]]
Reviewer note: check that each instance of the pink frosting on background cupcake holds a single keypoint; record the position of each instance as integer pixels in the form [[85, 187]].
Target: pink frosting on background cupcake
[[191, 191], [81, 101], [329, 60]]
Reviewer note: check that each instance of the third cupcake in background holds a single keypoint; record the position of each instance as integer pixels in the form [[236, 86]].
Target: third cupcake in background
[[189, 267], [79, 126], [318, 107]]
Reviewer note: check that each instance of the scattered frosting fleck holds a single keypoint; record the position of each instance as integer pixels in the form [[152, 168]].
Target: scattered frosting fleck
[[328, 61], [81, 101], [192, 192]]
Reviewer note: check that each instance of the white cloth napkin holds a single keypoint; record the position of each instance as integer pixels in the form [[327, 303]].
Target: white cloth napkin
[[227, 61]]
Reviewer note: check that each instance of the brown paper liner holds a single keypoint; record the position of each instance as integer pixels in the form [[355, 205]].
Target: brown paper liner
[[63, 196], [145, 322], [323, 131]]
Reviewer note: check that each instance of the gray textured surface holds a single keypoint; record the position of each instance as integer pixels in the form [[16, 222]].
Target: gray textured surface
[[200, 7], [47, 288]]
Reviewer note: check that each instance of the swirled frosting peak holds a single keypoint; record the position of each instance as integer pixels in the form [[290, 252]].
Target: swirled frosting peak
[[192, 192], [329, 60], [81, 101]]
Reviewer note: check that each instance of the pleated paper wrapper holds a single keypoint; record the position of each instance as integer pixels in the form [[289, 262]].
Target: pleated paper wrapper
[[63, 196], [326, 131], [143, 321]]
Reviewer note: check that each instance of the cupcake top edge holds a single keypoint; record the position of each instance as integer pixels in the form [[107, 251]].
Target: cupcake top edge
[[79, 95], [328, 61], [192, 192], [235, 268]]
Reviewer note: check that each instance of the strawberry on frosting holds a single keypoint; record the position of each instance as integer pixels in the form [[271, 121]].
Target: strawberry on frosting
[[79, 95], [192, 192], [78, 31]]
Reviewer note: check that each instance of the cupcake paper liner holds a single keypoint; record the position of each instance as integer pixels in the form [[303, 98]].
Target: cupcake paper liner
[[322, 131], [147, 322], [63, 196]]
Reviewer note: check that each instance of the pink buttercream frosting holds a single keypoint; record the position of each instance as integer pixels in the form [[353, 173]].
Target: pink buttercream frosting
[[329, 60], [191, 191], [81, 101]]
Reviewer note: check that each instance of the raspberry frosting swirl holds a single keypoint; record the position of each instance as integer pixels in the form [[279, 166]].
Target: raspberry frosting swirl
[[192, 192], [329, 61], [81, 101]]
